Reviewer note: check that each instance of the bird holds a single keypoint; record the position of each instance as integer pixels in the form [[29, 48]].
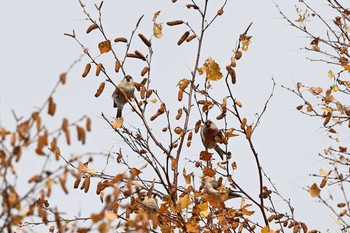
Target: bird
[[211, 186], [208, 132], [127, 85], [150, 203]]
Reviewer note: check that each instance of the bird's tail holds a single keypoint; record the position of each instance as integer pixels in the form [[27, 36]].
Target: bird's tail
[[233, 194], [119, 112], [220, 151]]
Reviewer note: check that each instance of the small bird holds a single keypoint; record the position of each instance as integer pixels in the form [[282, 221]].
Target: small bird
[[127, 85], [150, 203], [211, 186], [208, 133]]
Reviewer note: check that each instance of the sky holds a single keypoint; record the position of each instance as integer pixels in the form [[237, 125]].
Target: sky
[[35, 52]]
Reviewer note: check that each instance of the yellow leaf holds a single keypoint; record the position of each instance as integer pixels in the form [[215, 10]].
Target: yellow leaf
[[314, 190], [266, 229], [118, 122], [327, 109], [153, 101], [105, 46], [212, 70], [330, 74], [184, 201], [204, 209], [157, 27], [335, 88]]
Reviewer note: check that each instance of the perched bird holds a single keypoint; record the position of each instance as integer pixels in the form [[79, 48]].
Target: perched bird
[[127, 85], [208, 133], [150, 203], [211, 186]]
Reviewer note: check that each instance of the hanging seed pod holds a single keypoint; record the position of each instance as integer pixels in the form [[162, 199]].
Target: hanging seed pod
[[86, 70], [183, 38], [91, 28], [145, 41]]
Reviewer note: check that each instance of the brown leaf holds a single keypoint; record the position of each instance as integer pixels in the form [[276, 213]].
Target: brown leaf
[[205, 155], [134, 172], [315, 90], [209, 172], [105, 46], [314, 190]]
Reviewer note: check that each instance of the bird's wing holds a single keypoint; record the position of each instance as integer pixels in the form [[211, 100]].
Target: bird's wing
[[114, 97]]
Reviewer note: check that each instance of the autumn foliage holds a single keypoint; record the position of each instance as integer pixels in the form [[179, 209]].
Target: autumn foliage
[[169, 191]]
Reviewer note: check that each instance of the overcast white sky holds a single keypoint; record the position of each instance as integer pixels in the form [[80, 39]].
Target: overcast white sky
[[34, 52]]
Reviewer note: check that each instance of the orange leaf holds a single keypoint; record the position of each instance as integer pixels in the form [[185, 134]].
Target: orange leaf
[[346, 67], [205, 155], [105, 46], [118, 122], [314, 190], [209, 172]]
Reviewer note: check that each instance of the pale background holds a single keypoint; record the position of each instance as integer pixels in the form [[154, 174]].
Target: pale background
[[34, 52]]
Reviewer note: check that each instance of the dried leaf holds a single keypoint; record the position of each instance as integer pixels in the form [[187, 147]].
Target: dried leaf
[[105, 46], [314, 190], [209, 172], [212, 70], [118, 122], [185, 201], [157, 27], [315, 90], [205, 155]]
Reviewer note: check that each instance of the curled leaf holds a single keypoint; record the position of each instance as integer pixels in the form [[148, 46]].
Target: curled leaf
[[212, 70], [105, 46]]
